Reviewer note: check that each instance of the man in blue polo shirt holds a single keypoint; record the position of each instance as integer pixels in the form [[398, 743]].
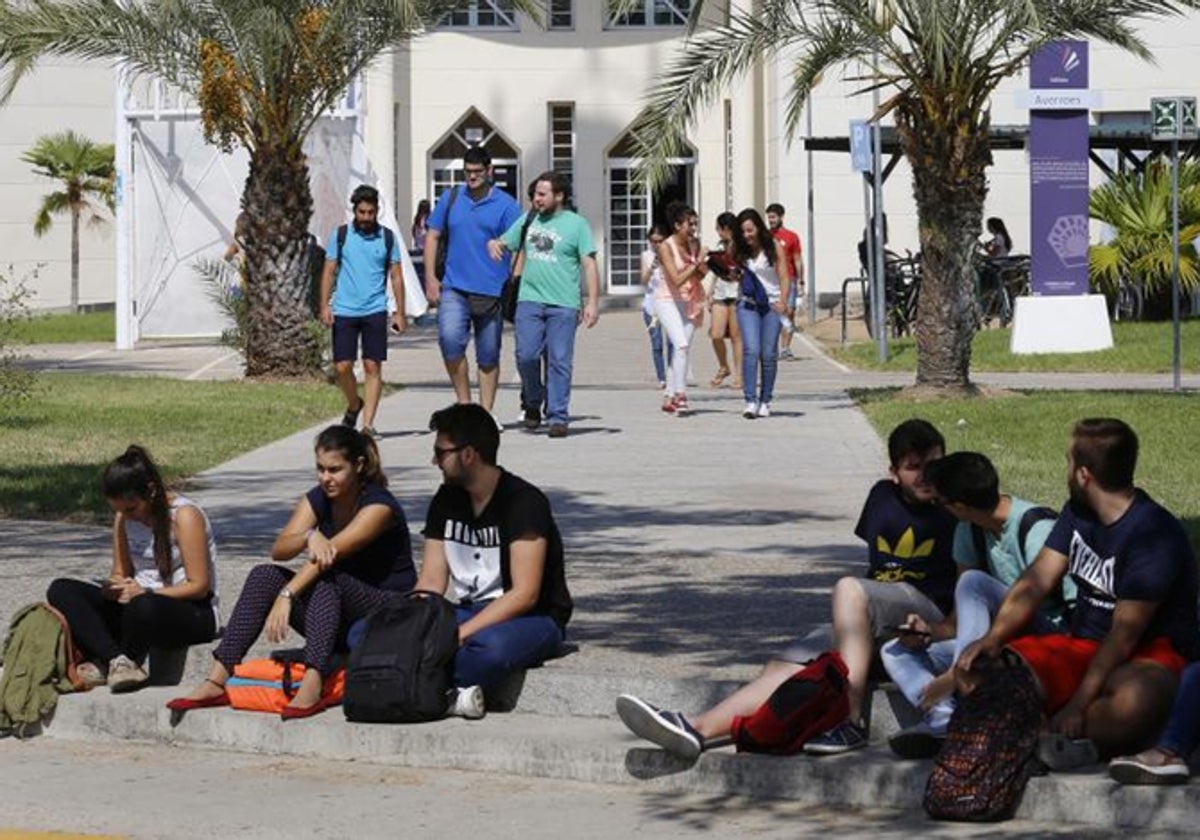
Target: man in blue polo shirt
[[465, 218], [359, 307]]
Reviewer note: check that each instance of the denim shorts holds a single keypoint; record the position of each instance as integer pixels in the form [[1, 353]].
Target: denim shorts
[[346, 332], [455, 323]]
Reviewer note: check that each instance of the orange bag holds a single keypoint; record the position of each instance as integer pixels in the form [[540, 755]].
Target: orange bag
[[267, 685]]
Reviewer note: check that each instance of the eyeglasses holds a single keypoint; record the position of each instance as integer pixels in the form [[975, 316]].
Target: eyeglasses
[[472, 172], [440, 452]]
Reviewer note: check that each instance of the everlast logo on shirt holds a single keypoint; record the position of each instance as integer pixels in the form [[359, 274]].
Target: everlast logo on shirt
[[1090, 568]]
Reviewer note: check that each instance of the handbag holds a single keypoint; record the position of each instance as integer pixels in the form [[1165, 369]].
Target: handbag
[[511, 293]]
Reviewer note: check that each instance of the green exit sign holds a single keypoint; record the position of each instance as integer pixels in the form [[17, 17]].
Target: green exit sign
[[1173, 118]]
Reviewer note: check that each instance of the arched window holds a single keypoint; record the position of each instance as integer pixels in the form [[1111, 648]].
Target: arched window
[[445, 160]]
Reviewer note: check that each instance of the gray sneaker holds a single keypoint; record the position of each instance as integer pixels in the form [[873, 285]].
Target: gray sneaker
[[125, 675], [1152, 767], [1058, 752], [468, 703], [670, 730]]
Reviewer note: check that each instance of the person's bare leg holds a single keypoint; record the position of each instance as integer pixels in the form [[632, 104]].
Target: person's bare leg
[[460, 378], [717, 334], [735, 338], [309, 691], [213, 686], [344, 374], [853, 638], [717, 721], [489, 380], [1132, 709], [373, 388]]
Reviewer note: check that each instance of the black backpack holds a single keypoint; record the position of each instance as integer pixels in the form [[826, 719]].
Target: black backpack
[[1029, 518], [991, 746], [389, 242], [401, 671]]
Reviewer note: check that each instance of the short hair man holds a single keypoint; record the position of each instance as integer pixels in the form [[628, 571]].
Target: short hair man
[[791, 246], [996, 540], [357, 308], [491, 537], [557, 250], [468, 298], [1108, 684], [909, 571]]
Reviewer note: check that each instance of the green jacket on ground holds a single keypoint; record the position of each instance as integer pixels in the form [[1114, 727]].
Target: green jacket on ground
[[37, 668]]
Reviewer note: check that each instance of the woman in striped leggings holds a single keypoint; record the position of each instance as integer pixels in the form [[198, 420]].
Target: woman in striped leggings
[[358, 554]]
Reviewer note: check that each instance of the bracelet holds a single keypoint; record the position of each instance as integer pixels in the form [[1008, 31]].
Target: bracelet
[[285, 594]]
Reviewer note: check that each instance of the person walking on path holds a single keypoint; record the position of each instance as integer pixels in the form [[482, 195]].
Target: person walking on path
[[722, 302], [791, 246], [648, 274], [678, 298], [361, 256], [465, 219], [162, 589], [766, 277], [559, 252], [358, 555]]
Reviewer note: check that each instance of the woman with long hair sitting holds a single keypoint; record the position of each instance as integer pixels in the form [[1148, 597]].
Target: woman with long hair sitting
[[162, 588], [359, 555]]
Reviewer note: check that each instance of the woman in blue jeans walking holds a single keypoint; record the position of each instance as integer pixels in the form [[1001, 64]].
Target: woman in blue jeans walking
[[764, 258]]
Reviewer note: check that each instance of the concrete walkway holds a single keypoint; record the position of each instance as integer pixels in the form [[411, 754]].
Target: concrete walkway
[[695, 547]]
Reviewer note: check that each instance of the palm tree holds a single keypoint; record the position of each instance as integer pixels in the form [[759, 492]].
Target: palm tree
[[937, 62], [85, 171], [1137, 206], [261, 72]]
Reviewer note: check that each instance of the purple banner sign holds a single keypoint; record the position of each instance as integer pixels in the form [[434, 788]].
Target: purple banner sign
[[1058, 175]]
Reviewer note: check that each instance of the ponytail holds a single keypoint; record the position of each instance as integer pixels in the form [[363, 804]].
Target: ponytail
[[134, 474], [353, 446]]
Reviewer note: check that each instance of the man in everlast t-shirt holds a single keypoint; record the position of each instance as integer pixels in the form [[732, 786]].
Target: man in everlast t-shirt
[[1107, 685], [491, 538]]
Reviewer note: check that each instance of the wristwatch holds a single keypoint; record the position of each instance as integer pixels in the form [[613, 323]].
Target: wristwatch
[[286, 594]]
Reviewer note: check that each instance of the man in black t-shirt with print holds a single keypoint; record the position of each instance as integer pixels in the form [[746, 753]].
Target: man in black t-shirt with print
[[492, 546], [1107, 685]]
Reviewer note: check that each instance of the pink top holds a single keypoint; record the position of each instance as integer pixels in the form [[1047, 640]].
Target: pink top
[[690, 292]]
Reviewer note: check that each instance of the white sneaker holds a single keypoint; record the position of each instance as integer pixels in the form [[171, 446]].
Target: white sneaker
[[468, 703], [124, 674], [764, 410], [750, 411]]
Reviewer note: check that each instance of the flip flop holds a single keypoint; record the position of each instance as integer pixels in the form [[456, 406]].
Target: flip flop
[[721, 375]]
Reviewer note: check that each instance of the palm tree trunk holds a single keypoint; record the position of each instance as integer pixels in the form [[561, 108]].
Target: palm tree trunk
[[74, 260], [280, 339], [949, 183]]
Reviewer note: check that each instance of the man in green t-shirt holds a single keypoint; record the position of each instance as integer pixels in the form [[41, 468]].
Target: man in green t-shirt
[[557, 252]]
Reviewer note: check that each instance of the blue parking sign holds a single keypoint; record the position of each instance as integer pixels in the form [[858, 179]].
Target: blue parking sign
[[860, 145]]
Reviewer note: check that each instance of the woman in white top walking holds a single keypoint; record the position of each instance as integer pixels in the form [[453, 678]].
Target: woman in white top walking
[[162, 589], [764, 289], [679, 298]]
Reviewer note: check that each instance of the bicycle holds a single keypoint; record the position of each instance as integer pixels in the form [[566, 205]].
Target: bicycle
[[902, 290], [1000, 281], [1128, 300]]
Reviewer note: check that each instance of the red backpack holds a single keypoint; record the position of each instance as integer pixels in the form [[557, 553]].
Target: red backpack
[[809, 702]]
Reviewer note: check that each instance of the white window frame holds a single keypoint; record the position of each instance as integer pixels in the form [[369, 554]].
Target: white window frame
[[506, 16], [680, 10], [564, 7], [562, 156]]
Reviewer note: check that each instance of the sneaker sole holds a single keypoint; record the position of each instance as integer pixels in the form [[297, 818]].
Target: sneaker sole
[[833, 749], [125, 686], [643, 721], [1129, 773]]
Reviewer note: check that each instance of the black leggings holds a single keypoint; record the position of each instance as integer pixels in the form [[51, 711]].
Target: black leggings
[[321, 614], [104, 629]]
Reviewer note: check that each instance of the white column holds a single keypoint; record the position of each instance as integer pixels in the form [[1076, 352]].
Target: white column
[[126, 318]]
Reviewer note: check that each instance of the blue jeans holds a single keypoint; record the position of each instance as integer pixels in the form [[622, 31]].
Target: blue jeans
[[543, 328], [1182, 734], [760, 344], [490, 655], [656, 346], [455, 323], [977, 599]]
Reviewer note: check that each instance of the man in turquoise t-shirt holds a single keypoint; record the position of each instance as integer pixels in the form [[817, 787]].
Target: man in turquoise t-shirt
[[557, 251]]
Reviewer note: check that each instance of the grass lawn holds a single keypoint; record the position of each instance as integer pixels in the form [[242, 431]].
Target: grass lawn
[[54, 446], [1025, 435], [63, 329], [1137, 348]]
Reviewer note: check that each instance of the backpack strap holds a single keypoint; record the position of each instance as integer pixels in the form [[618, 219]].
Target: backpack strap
[[389, 242], [341, 242], [1030, 518], [525, 228], [979, 540]]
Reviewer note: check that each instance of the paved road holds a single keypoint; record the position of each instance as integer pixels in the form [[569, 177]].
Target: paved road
[[162, 792]]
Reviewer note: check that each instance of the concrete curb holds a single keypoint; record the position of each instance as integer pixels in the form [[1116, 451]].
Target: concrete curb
[[600, 751]]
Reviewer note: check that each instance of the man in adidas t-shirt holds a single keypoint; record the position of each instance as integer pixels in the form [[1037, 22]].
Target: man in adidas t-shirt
[[1107, 685], [492, 545]]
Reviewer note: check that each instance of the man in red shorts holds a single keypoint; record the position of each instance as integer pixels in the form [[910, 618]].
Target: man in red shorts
[[1107, 686]]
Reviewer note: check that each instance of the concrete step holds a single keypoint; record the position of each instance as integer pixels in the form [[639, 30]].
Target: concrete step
[[593, 749]]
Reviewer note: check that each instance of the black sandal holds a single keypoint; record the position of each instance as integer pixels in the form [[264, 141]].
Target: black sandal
[[350, 418]]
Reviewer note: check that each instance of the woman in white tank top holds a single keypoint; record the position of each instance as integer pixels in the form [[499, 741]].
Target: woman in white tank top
[[758, 315], [679, 298]]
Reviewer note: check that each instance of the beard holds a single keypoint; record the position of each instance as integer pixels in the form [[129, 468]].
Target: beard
[[366, 228], [1078, 499]]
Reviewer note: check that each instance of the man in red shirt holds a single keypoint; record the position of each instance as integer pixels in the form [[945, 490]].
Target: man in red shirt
[[791, 244]]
